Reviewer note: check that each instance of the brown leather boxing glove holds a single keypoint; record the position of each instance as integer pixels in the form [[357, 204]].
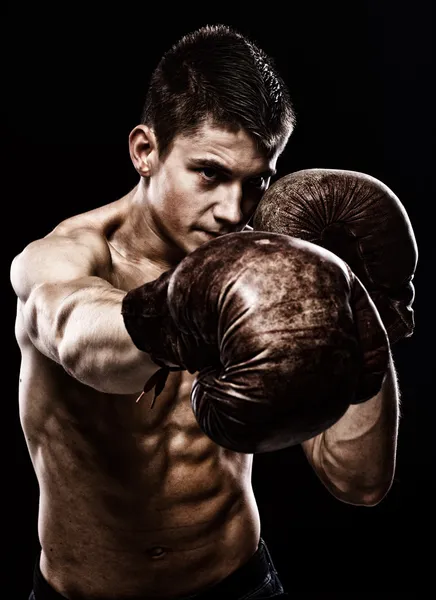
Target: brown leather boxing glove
[[359, 219], [283, 336]]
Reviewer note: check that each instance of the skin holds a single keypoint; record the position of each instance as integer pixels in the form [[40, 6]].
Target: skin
[[133, 500], [128, 494]]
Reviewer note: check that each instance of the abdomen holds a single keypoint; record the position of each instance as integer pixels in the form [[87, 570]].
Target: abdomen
[[133, 500]]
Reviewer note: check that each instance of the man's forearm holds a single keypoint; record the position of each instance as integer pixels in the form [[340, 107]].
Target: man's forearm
[[355, 458], [79, 325]]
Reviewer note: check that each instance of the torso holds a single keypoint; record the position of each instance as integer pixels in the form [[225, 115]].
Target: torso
[[133, 500]]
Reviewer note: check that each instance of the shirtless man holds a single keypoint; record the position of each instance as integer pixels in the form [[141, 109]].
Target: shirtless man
[[139, 503]]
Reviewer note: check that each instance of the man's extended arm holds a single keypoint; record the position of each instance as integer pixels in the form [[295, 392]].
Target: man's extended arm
[[356, 457], [74, 317]]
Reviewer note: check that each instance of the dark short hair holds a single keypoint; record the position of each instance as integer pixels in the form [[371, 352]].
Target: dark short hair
[[217, 74]]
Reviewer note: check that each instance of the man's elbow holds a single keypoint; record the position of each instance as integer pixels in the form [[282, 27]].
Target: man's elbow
[[375, 496], [359, 495]]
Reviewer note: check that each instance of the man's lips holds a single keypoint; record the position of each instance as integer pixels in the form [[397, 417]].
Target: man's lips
[[212, 233]]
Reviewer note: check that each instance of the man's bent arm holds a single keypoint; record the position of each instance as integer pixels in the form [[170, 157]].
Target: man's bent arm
[[79, 325], [356, 457]]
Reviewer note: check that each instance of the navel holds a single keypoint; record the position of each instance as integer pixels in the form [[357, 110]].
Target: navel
[[156, 552]]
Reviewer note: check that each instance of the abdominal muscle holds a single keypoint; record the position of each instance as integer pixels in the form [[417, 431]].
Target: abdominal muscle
[[133, 500]]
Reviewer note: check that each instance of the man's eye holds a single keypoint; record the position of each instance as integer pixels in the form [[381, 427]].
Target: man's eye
[[209, 173]]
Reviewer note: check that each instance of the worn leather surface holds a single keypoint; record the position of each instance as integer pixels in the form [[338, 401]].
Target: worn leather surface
[[282, 333], [361, 220]]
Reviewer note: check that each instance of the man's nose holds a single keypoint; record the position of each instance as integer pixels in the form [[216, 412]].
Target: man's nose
[[229, 207]]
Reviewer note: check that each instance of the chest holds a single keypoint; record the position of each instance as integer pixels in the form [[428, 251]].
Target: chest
[[126, 274]]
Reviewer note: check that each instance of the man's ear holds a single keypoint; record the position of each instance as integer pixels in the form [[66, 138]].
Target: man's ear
[[143, 149]]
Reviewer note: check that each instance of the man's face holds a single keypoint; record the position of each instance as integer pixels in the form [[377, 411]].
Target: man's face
[[209, 184]]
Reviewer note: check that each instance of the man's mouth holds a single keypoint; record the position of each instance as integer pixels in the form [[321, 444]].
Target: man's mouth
[[212, 234]]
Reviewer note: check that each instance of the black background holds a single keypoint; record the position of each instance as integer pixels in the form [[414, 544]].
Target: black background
[[360, 77]]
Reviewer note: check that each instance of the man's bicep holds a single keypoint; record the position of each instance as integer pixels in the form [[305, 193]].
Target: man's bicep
[[56, 259]]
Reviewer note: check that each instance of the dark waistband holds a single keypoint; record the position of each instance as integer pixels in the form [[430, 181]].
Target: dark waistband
[[243, 580]]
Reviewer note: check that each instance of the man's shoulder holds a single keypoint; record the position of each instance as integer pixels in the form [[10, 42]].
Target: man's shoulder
[[85, 223], [77, 232], [88, 228], [72, 249], [91, 226]]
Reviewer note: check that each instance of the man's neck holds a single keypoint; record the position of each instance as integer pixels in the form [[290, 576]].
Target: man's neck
[[138, 238]]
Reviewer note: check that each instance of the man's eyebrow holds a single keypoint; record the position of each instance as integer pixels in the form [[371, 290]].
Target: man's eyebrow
[[212, 163]]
